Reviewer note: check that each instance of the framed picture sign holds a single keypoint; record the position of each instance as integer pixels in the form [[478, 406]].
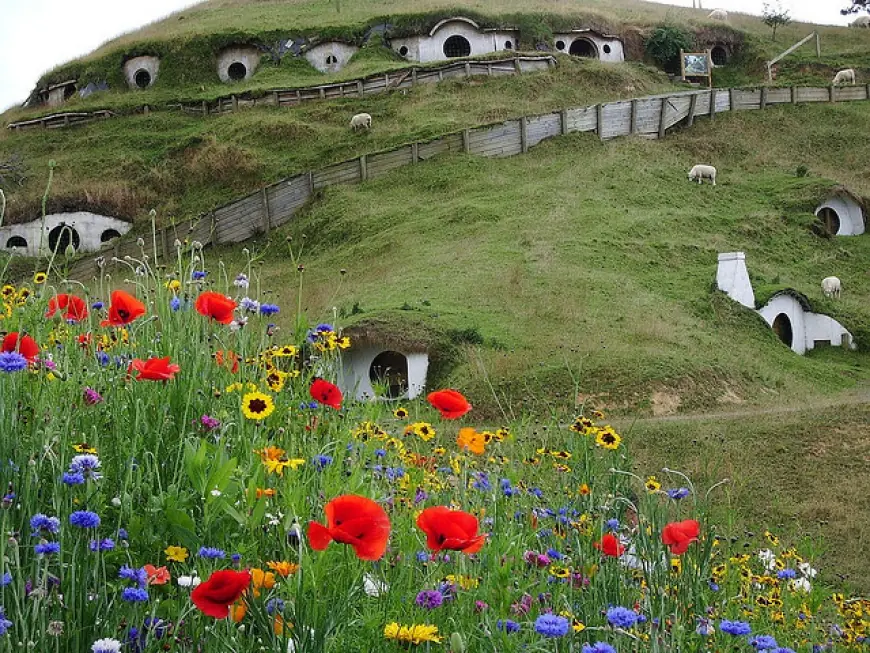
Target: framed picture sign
[[697, 64]]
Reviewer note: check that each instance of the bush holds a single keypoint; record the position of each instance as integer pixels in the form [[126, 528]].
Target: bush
[[664, 45]]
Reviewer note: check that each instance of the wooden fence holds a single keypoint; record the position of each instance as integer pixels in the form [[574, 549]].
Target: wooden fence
[[290, 97], [648, 117]]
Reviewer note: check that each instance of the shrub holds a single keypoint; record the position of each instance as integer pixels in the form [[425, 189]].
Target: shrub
[[664, 45]]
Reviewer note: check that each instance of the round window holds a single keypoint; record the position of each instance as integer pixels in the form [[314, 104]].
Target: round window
[[331, 60], [560, 45], [403, 51], [237, 71], [457, 46], [606, 49], [508, 45], [142, 78]]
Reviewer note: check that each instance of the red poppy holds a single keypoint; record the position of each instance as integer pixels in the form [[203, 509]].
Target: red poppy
[[223, 588], [75, 309], [157, 575], [123, 309], [354, 520], [610, 546], [326, 393], [679, 535], [216, 306], [450, 529], [26, 346], [154, 369], [450, 403]]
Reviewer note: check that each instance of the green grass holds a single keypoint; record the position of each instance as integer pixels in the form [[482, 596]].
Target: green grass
[[593, 262]]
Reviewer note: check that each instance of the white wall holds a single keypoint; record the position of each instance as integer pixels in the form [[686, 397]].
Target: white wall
[[134, 65], [356, 364], [247, 55], [431, 48], [850, 214], [89, 227], [732, 278], [616, 54], [341, 51], [807, 328]]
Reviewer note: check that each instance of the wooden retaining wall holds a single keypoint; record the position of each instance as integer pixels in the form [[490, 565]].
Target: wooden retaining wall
[[290, 97], [648, 117]]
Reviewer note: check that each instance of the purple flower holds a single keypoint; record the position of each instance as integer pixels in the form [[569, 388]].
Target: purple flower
[[86, 464], [550, 625], [174, 304], [763, 642], [612, 524], [47, 548], [6, 579], [734, 627], [73, 478], [5, 624], [269, 309], [249, 305], [40, 522], [198, 275], [598, 647], [102, 545], [211, 553], [507, 625], [84, 519], [678, 494], [621, 617], [429, 599], [12, 361], [321, 461], [209, 423], [134, 594], [786, 573], [138, 576]]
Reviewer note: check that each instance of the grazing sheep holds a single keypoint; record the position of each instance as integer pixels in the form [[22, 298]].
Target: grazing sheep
[[361, 121], [845, 76], [718, 14], [831, 286], [701, 172], [860, 21]]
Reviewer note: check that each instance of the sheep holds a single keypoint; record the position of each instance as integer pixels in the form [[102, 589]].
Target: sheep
[[718, 14], [701, 172], [845, 76], [860, 21], [361, 121], [831, 286]]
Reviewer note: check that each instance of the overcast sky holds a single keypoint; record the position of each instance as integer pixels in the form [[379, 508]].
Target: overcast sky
[[37, 35]]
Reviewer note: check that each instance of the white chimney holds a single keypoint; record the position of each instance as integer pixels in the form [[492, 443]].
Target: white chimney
[[732, 278]]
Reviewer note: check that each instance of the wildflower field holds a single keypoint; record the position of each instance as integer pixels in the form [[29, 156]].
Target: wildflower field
[[180, 474]]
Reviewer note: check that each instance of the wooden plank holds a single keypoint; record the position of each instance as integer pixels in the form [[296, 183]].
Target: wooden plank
[[633, 128], [690, 120], [415, 152], [363, 170], [713, 105], [524, 135], [599, 120], [267, 218], [662, 118], [465, 138], [763, 99], [563, 121]]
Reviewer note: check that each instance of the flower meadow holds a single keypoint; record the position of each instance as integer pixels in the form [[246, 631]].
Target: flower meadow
[[181, 474]]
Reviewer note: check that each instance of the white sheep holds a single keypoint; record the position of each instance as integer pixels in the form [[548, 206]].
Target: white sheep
[[861, 21], [845, 76], [361, 121], [718, 14], [831, 286], [701, 172]]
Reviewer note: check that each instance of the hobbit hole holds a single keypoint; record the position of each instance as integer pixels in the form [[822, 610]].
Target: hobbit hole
[[390, 368], [142, 78], [782, 328], [16, 241], [719, 55], [457, 46], [237, 71], [108, 235], [583, 48], [61, 237]]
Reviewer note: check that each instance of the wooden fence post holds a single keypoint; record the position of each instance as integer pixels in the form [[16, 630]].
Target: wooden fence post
[[794, 95], [359, 87], [310, 181], [713, 105], [563, 121], [489, 70], [518, 66], [413, 76], [466, 137], [267, 218], [524, 137], [386, 81], [831, 93], [235, 103], [322, 93], [275, 99], [634, 107], [731, 99], [415, 152], [763, 98], [663, 117], [204, 108], [599, 121], [298, 96], [440, 75], [164, 241], [468, 69], [693, 101], [867, 92], [363, 168]]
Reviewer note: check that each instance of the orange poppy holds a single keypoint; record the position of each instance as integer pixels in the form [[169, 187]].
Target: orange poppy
[[157, 575], [326, 393], [679, 535], [154, 369], [470, 439], [450, 529], [123, 309], [75, 309], [609, 546], [450, 403], [354, 520], [216, 306], [24, 345]]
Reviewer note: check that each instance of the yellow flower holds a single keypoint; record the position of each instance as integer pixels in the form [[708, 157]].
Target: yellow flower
[[608, 438], [176, 553], [276, 379], [8, 292], [83, 447], [676, 565], [559, 572], [261, 580], [283, 567], [400, 413], [422, 430], [285, 351], [773, 539], [173, 285], [39, 278], [257, 405], [471, 440], [464, 582], [597, 414], [652, 484], [414, 634], [584, 490], [582, 425]]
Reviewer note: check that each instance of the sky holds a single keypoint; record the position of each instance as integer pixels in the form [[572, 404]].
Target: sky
[[37, 35]]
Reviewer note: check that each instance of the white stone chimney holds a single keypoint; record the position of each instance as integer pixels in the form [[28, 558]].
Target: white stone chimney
[[732, 278]]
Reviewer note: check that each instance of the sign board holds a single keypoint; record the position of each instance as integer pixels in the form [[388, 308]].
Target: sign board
[[697, 64]]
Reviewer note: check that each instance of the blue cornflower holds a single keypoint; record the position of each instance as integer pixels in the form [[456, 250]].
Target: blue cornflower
[[211, 552], [680, 493], [97, 306], [380, 453], [506, 487], [555, 555], [621, 617], [275, 605], [598, 647], [394, 473], [5, 579], [5, 624], [175, 304], [198, 275], [507, 625], [550, 625], [762, 642], [734, 627], [713, 586], [87, 464], [422, 556], [429, 599], [249, 305], [106, 544], [12, 361], [103, 358], [134, 594], [322, 461], [73, 478], [536, 491], [785, 649], [482, 482], [786, 573], [269, 309], [236, 558], [40, 522], [138, 576], [47, 548], [122, 534], [612, 524], [84, 519]]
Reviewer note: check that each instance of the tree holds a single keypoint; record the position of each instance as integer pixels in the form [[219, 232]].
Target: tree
[[774, 15], [856, 6]]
